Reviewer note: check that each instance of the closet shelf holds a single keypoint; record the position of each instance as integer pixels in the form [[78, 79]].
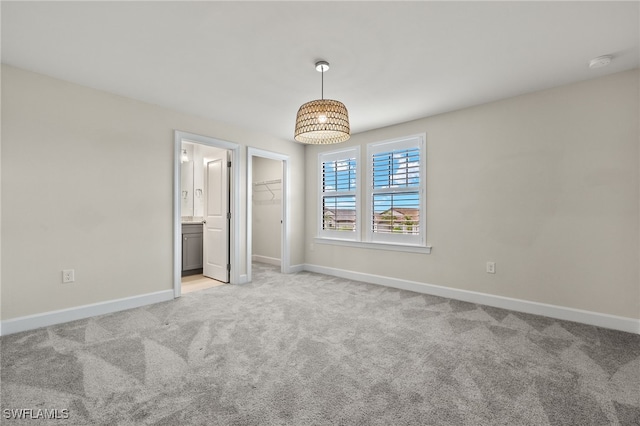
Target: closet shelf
[[267, 184]]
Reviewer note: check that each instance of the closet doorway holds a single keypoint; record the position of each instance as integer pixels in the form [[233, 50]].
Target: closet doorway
[[267, 208]]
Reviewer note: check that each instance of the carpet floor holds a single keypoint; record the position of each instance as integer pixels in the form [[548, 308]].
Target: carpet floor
[[310, 349]]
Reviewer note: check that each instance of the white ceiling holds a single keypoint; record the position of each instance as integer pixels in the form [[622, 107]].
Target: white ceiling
[[251, 64]]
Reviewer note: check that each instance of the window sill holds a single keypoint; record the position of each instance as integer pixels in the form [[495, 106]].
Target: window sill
[[374, 246]]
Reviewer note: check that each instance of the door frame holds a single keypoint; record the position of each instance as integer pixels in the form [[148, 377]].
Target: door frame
[[285, 261], [234, 205]]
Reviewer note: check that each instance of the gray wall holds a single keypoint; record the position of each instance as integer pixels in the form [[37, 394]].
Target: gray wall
[[87, 184], [544, 184]]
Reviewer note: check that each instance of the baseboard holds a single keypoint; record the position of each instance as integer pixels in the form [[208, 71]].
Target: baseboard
[[30, 322], [296, 268], [630, 325], [266, 259]]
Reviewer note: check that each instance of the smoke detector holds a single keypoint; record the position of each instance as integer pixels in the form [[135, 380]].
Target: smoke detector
[[600, 61]]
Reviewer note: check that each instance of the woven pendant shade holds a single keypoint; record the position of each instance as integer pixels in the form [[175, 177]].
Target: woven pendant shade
[[323, 121]]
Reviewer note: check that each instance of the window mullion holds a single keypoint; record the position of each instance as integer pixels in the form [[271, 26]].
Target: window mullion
[[339, 193], [395, 190]]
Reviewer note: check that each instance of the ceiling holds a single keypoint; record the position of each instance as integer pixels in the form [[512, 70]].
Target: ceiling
[[251, 64]]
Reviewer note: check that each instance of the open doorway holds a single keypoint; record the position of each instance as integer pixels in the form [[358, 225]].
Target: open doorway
[[266, 220], [205, 195], [204, 211], [267, 209]]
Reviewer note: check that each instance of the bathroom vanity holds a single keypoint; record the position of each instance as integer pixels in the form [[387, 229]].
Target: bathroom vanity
[[191, 248]]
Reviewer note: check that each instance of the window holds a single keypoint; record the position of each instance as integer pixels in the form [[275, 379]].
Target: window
[[395, 191], [339, 195], [393, 216]]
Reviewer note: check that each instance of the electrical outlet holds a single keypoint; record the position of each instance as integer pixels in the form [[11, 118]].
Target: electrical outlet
[[491, 267], [68, 275]]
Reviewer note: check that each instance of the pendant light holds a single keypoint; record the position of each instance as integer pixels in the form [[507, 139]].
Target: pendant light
[[323, 121]]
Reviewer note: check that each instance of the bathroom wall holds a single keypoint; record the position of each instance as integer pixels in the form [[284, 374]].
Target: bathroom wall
[[198, 179], [187, 184], [193, 178]]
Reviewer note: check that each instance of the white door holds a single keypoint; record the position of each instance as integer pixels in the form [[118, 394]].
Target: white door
[[216, 224]]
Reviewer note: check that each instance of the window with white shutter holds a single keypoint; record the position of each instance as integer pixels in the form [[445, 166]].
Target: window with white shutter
[[338, 203], [395, 191]]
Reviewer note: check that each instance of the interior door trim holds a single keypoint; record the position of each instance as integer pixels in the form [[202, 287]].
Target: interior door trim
[[285, 254], [234, 204]]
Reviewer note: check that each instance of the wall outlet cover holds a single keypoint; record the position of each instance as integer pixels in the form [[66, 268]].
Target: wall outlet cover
[[68, 275], [491, 267]]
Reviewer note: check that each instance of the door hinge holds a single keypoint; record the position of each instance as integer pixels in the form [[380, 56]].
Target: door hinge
[[228, 267], [228, 215], [228, 163]]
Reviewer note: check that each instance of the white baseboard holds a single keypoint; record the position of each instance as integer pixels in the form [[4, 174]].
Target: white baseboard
[[45, 319], [630, 325], [30, 322], [296, 268], [266, 259]]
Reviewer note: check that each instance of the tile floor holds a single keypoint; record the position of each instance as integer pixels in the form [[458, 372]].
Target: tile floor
[[198, 282]]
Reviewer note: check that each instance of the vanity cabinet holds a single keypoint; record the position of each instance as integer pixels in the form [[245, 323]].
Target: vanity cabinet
[[191, 248]]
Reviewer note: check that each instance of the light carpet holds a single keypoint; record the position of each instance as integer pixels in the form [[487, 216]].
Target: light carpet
[[310, 349]]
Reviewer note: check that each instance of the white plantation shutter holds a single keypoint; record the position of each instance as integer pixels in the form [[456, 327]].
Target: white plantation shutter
[[395, 192], [338, 203]]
